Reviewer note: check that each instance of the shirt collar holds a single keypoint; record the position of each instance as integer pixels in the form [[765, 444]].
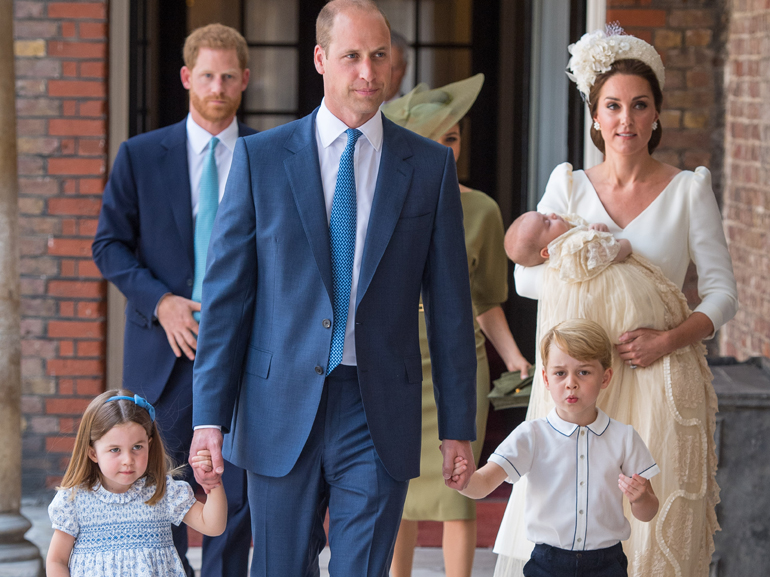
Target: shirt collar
[[330, 127], [565, 428], [199, 137]]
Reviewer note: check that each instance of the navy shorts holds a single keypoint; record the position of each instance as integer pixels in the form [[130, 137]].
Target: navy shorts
[[547, 561]]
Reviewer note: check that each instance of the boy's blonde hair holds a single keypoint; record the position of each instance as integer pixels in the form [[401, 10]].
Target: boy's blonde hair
[[217, 37], [99, 418], [581, 339]]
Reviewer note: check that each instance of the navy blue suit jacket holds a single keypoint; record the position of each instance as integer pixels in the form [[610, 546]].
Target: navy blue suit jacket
[[264, 343], [144, 245]]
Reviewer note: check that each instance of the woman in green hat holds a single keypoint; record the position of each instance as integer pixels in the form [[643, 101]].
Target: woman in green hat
[[436, 114]]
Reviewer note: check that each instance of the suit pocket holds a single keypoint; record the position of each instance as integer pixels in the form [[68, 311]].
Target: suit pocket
[[415, 222], [136, 317], [413, 369], [258, 362]]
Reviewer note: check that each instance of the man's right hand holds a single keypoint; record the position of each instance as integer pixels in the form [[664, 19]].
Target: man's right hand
[[175, 316], [208, 440]]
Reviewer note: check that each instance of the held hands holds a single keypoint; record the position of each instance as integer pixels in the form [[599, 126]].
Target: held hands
[[206, 458], [175, 316], [452, 450], [642, 347], [202, 461]]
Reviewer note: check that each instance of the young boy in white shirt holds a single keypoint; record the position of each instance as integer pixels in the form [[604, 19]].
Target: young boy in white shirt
[[574, 457]]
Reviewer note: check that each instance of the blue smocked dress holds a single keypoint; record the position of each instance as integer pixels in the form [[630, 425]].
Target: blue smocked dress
[[118, 533]]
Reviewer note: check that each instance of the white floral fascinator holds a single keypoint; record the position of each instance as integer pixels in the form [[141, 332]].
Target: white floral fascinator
[[596, 51]]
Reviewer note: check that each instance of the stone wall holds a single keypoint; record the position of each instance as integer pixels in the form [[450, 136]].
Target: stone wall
[[61, 90]]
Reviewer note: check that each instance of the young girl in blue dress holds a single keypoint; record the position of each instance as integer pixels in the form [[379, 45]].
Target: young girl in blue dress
[[112, 514]]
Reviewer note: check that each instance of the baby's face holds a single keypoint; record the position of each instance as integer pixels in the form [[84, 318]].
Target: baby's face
[[544, 228]]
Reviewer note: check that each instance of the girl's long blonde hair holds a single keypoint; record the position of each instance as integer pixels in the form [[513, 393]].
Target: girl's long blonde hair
[[98, 419]]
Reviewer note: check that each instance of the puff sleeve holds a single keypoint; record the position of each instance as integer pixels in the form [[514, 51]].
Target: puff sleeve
[[179, 498], [708, 250], [557, 197], [63, 512]]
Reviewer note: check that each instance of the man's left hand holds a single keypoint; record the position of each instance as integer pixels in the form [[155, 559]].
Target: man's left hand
[[452, 449]]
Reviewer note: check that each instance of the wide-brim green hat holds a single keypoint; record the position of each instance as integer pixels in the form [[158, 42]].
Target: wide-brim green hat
[[431, 113]]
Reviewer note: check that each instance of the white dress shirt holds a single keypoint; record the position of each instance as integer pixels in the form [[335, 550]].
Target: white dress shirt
[[331, 140], [198, 141], [573, 500], [682, 224]]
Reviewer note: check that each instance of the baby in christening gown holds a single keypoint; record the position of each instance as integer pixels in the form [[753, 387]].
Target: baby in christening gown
[[671, 403]]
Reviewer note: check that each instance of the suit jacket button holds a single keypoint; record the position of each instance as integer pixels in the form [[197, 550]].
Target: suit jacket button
[[326, 323], [319, 370], [189, 282]]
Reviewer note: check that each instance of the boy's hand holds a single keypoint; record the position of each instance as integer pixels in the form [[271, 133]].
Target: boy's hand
[[599, 226], [633, 487], [644, 503]]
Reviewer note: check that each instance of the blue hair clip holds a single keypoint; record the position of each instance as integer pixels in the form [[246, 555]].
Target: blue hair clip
[[139, 401]]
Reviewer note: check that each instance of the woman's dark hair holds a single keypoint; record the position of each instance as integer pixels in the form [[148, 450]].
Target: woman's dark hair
[[629, 67]]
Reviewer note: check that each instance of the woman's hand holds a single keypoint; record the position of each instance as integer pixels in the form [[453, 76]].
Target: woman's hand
[[519, 363], [642, 347]]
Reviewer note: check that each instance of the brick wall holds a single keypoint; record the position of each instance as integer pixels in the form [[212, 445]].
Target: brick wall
[[747, 175], [61, 89], [689, 35]]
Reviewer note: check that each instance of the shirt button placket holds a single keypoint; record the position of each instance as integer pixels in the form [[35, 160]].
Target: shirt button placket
[[582, 496]]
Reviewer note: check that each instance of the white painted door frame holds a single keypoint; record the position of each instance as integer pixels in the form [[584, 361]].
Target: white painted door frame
[[596, 17]]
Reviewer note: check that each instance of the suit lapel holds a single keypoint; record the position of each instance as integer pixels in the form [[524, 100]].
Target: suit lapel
[[304, 174], [176, 176], [393, 180]]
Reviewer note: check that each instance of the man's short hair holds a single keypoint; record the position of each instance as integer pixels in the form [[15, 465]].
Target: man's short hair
[[325, 21], [581, 339], [218, 37]]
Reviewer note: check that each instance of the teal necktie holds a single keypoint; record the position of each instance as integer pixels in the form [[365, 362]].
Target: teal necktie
[[342, 236], [208, 202]]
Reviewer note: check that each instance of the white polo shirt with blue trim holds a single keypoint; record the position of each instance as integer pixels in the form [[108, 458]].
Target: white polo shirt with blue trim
[[573, 500]]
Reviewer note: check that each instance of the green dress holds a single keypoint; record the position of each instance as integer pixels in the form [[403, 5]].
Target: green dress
[[428, 499]]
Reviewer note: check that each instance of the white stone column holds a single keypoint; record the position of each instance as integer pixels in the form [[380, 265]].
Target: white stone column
[[18, 557]]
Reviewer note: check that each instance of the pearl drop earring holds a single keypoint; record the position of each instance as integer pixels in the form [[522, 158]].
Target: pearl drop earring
[[597, 126], [654, 126]]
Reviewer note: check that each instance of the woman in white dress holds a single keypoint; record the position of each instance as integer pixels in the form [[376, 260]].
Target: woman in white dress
[[670, 217]]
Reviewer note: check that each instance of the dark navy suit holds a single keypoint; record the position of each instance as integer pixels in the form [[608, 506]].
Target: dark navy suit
[[144, 245], [266, 335]]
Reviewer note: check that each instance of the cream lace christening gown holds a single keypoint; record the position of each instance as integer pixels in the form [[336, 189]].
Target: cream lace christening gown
[[671, 403]]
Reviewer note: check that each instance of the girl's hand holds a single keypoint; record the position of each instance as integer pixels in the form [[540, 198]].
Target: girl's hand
[[642, 347], [202, 460], [599, 226]]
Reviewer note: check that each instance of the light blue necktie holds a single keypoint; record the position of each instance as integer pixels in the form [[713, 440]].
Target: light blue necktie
[[208, 202], [342, 234]]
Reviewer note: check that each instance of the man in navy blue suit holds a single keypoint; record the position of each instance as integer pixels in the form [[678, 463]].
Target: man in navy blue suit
[[308, 355], [151, 243]]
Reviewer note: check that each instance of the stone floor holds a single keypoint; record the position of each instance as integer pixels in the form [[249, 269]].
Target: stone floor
[[428, 561]]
